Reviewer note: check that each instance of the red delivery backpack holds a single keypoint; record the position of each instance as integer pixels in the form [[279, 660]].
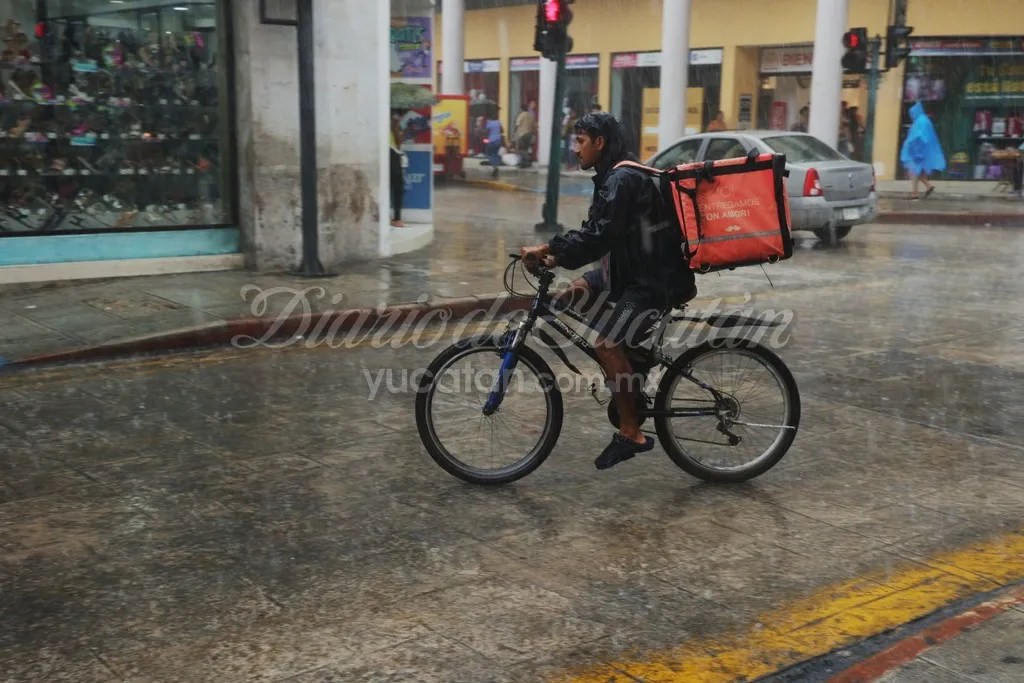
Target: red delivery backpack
[[731, 213]]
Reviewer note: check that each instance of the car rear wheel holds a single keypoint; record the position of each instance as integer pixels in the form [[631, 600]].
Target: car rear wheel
[[832, 235]]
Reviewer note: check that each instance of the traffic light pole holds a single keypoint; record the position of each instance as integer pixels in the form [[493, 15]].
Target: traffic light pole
[[549, 213], [869, 133]]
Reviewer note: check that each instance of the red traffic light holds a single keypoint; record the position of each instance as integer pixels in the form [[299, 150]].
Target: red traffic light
[[851, 40], [553, 11]]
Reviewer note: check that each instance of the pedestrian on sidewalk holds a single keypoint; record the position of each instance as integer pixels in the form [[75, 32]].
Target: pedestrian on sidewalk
[[568, 128], [398, 162], [495, 141], [526, 130], [921, 153]]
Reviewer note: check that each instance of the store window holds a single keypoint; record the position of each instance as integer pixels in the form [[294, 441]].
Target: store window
[[581, 76], [635, 92], [973, 90], [114, 116], [524, 91]]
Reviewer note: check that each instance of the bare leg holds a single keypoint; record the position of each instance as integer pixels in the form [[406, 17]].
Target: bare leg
[[619, 372], [916, 178]]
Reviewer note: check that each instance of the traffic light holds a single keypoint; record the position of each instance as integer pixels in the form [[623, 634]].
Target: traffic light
[[552, 38], [896, 48], [855, 41]]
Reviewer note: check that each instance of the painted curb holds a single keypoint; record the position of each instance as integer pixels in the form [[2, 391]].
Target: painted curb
[[268, 329], [963, 219], [911, 648]]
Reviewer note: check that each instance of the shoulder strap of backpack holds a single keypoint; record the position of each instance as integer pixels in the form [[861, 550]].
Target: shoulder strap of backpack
[[641, 167]]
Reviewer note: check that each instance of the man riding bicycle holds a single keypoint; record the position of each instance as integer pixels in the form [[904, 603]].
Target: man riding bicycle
[[642, 276]]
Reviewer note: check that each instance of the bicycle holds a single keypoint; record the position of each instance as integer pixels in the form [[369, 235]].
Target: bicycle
[[725, 414]]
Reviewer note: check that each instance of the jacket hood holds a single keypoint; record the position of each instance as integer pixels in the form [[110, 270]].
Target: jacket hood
[[917, 111]]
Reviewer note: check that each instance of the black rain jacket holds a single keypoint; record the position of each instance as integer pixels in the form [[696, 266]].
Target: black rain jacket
[[628, 219]]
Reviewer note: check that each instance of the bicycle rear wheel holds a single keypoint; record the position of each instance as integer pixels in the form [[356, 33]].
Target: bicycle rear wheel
[[488, 449], [756, 408]]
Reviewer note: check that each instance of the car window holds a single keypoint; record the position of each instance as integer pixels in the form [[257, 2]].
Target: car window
[[724, 148], [802, 148], [683, 153]]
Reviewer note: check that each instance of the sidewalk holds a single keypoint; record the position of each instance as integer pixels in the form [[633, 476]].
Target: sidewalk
[[79, 320]]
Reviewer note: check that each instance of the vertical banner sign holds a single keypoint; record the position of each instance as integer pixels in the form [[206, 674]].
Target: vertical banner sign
[[411, 47], [780, 114], [746, 114], [412, 59]]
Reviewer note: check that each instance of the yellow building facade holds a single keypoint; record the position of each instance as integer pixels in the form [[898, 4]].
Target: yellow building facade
[[751, 59]]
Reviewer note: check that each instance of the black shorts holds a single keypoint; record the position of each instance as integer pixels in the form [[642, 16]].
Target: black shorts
[[628, 320]]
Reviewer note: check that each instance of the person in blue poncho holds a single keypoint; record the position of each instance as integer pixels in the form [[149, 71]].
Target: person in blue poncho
[[922, 153]]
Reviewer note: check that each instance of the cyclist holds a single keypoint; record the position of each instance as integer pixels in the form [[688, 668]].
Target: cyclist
[[642, 274]]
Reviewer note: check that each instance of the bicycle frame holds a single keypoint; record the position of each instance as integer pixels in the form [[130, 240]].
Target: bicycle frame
[[542, 310]]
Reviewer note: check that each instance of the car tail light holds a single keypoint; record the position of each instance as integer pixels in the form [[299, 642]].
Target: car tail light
[[812, 184]]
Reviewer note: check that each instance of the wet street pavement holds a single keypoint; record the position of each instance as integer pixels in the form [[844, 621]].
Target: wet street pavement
[[476, 228], [252, 515]]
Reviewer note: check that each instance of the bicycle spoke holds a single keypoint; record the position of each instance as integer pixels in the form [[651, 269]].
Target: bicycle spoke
[[749, 391]]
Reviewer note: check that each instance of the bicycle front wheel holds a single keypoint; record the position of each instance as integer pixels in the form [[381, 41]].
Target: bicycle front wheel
[[744, 411], [461, 437]]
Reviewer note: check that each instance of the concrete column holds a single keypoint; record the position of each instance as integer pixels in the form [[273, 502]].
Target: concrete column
[[675, 69], [548, 73], [352, 116], [827, 73], [453, 36]]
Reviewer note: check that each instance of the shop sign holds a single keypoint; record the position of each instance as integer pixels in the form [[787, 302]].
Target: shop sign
[[787, 60], [995, 81], [485, 66], [524, 64], [703, 57], [582, 62], [965, 47], [626, 60], [632, 60], [745, 116]]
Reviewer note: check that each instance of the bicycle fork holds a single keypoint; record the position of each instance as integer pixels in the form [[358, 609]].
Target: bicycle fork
[[509, 360], [513, 338]]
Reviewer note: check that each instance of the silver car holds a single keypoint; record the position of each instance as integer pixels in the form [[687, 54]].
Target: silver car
[[828, 192]]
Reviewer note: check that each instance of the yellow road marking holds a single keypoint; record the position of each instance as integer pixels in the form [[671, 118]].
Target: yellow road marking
[[833, 617]]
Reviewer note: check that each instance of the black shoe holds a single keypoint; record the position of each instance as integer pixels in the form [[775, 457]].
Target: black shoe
[[621, 449]]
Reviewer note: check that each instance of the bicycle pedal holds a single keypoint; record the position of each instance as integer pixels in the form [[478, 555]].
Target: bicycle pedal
[[593, 392]]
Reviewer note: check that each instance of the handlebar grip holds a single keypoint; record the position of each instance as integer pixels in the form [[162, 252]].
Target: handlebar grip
[[514, 256]]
